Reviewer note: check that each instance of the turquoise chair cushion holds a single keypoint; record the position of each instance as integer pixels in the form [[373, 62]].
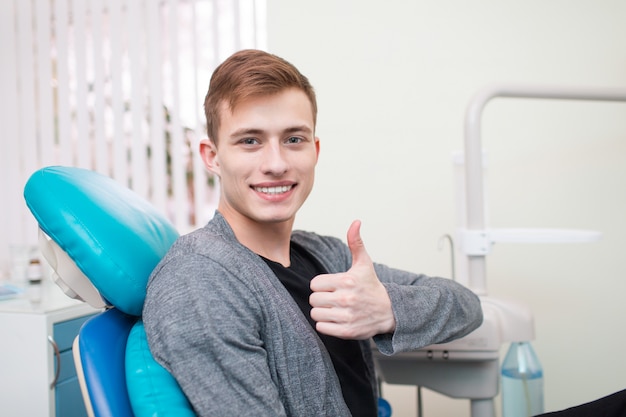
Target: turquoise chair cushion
[[152, 389], [114, 236]]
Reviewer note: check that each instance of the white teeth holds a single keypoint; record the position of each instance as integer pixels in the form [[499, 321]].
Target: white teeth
[[273, 190]]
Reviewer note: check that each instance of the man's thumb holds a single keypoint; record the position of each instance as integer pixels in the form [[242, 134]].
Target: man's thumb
[[356, 245]]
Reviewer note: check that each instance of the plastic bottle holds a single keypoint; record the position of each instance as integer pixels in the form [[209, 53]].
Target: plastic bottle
[[522, 382]]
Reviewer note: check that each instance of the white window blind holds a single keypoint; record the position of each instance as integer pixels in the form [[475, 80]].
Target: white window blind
[[116, 86]]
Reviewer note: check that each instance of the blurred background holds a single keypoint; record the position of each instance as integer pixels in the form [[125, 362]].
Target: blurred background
[[393, 81]]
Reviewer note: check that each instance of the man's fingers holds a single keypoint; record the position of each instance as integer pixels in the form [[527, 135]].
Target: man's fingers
[[356, 245], [324, 282], [321, 299], [339, 330], [323, 314]]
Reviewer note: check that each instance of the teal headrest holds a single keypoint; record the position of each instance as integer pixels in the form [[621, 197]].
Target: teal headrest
[[114, 236]]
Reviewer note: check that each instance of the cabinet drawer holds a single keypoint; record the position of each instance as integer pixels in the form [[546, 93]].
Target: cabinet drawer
[[69, 401], [66, 331], [68, 370]]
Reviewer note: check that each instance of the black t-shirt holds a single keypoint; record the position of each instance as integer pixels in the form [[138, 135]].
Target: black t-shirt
[[346, 355]]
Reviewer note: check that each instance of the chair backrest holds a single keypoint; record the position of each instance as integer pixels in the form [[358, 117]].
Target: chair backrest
[[100, 359], [103, 241]]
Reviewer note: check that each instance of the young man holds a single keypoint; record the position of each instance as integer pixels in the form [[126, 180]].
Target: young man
[[253, 318]]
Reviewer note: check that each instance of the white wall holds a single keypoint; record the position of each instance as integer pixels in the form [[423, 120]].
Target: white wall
[[393, 79]]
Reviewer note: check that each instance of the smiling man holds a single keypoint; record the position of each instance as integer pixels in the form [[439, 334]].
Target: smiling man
[[265, 155], [254, 318]]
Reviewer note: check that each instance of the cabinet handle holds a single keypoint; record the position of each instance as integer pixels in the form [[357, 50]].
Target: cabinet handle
[[57, 356]]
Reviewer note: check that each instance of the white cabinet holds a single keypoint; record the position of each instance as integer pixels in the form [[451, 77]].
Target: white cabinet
[[37, 374]]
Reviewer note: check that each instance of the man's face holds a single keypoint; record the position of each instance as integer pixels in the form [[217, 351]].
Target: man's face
[[265, 157]]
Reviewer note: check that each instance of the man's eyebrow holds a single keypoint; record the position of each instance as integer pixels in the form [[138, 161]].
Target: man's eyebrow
[[301, 128], [246, 131], [254, 131]]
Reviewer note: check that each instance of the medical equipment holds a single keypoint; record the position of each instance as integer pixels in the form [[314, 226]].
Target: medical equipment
[[469, 367], [103, 240]]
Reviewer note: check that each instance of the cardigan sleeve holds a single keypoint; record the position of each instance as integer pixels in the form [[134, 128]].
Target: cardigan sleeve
[[427, 310]]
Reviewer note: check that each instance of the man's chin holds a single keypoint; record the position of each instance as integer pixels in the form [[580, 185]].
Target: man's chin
[[275, 218]]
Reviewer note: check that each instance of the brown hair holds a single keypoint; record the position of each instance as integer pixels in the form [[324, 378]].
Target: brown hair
[[249, 73]]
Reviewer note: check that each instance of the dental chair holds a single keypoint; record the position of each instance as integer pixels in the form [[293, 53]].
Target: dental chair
[[102, 241]]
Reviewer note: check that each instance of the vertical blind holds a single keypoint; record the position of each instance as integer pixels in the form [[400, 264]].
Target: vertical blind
[[116, 86]]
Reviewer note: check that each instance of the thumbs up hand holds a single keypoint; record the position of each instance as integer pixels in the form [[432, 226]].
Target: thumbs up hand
[[353, 304]]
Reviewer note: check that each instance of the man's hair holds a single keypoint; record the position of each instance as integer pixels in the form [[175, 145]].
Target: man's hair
[[251, 73]]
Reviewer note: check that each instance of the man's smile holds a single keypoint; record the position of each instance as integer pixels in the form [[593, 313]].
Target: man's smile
[[274, 190]]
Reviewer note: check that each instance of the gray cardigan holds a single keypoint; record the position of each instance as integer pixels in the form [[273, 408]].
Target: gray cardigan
[[221, 322]]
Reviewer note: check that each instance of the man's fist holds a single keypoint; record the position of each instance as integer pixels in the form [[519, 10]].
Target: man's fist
[[352, 304]]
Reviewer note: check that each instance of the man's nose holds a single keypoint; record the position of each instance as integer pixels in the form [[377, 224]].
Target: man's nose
[[274, 160]]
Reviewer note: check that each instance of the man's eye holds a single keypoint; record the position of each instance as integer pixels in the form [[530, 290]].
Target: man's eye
[[294, 139], [248, 141]]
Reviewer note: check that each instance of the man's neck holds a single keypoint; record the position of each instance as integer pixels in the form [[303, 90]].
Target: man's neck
[[270, 240]]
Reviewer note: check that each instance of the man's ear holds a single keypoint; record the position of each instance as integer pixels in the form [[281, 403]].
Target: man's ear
[[208, 153], [317, 148]]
